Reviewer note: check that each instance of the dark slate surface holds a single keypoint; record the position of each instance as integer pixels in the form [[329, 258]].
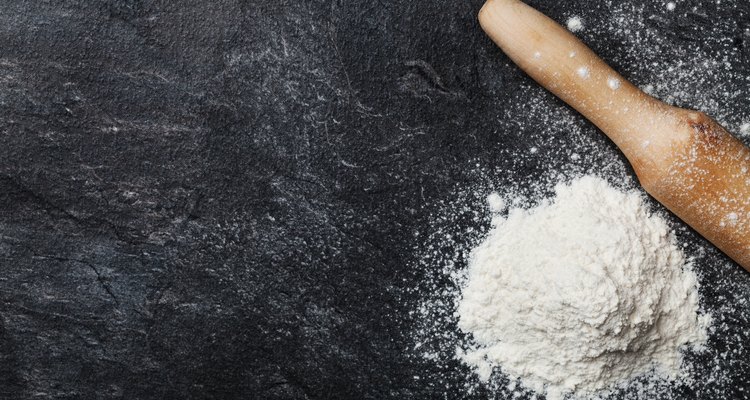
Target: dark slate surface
[[218, 199]]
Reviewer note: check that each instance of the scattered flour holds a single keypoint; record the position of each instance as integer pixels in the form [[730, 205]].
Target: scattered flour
[[496, 203], [583, 72], [580, 293], [613, 83], [730, 219], [575, 24], [733, 218]]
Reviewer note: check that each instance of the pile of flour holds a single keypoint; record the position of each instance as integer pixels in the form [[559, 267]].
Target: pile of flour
[[580, 293]]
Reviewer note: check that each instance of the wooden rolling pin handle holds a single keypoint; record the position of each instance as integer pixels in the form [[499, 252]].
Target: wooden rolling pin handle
[[683, 158]]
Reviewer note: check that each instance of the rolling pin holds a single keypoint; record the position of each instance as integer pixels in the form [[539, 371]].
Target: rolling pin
[[683, 158]]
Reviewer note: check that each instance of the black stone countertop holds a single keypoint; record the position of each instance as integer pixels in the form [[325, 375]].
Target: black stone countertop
[[229, 199]]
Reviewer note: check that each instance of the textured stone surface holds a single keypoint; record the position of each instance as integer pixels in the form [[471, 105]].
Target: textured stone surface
[[217, 199]]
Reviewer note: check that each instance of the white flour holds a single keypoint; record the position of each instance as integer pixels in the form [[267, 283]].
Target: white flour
[[580, 293], [575, 24]]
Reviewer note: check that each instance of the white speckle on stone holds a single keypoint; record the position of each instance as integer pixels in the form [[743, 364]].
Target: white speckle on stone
[[575, 24], [613, 83], [496, 203], [533, 150], [575, 157], [745, 129], [583, 72], [649, 89], [671, 6]]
